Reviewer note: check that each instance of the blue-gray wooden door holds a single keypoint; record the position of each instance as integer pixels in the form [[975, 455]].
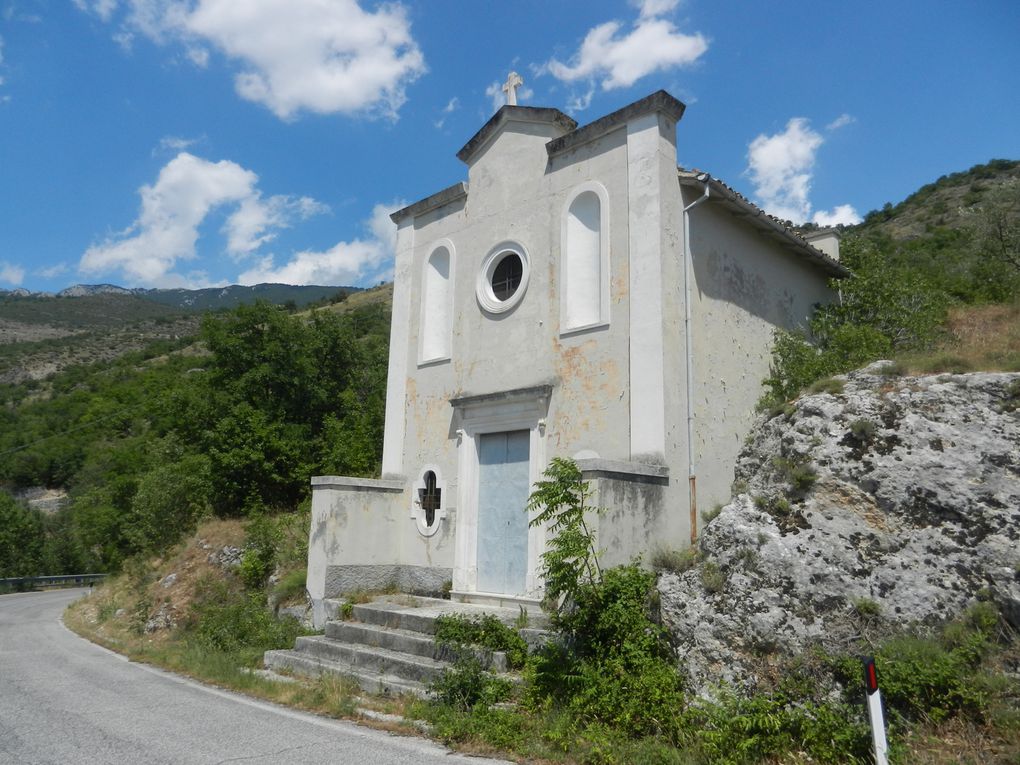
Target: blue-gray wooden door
[[503, 489]]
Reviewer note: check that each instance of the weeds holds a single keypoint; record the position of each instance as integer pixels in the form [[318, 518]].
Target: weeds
[[675, 561], [866, 608], [487, 632], [827, 385], [707, 516], [712, 577], [863, 430], [798, 472]]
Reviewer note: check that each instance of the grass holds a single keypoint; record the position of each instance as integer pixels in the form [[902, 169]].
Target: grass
[[978, 338]]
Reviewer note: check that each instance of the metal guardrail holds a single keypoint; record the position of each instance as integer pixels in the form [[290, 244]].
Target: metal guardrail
[[22, 583]]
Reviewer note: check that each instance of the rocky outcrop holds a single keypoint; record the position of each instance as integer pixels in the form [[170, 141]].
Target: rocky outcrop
[[897, 498]]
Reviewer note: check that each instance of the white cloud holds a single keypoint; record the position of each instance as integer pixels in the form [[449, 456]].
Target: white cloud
[[11, 274], [578, 102], [650, 8], [198, 56], [55, 270], [451, 106], [186, 192], [620, 59], [495, 92], [841, 215], [102, 8], [176, 143], [370, 258], [256, 220], [781, 167], [294, 56], [841, 121]]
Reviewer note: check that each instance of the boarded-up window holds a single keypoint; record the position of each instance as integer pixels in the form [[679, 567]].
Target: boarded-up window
[[437, 308], [584, 261]]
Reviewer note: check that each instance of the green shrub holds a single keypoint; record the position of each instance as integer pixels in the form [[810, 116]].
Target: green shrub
[[466, 684], [734, 730], [486, 631], [260, 552], [239, 623], [612, 664], [863, 430], [800, 474], [1011, 399], [885, 308], [291, 586], [560, 502]]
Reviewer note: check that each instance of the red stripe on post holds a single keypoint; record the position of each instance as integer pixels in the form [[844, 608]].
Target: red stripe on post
[[870, 676]]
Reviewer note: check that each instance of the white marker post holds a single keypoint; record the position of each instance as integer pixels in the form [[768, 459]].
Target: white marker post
[[873, 698]]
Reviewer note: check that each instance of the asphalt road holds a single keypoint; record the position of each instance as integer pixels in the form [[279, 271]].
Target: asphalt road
[[64, 700]]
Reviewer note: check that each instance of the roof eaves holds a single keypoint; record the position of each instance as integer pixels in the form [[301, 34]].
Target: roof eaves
[[742, 207]]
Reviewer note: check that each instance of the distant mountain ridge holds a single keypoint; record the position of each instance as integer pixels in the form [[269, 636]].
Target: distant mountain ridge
[[206, 299]]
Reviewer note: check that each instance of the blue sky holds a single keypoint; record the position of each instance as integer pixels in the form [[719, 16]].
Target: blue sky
[[193, 143]]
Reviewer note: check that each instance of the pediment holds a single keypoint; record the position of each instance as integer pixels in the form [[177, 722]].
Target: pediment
[[551, 121]]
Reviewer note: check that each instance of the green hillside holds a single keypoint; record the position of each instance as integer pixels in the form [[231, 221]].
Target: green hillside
[[961, 233]]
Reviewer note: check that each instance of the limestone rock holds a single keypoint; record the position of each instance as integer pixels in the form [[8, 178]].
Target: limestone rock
[[228, 557], [164, 619], [898, 492]]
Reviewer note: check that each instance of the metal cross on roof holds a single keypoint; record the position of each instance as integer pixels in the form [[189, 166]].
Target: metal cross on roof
[[513, 81]]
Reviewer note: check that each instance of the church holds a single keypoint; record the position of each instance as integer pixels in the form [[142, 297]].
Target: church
[[578, 296]]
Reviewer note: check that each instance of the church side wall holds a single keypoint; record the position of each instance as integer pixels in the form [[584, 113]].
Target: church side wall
[[746, 286]]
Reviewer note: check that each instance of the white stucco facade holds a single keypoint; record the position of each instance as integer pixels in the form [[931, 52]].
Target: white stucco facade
[[544, 299]]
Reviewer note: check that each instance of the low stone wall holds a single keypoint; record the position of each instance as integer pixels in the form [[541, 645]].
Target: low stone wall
[[418, 580], [354, 524], [637, 496]]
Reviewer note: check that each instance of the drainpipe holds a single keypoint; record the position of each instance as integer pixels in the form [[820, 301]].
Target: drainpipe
[[692, 477]]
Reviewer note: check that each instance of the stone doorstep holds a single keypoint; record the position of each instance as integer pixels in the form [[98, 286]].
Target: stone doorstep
[[419, 613], [388, 647]]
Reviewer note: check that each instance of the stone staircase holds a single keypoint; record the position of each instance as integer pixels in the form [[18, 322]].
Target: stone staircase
[[387, 645]]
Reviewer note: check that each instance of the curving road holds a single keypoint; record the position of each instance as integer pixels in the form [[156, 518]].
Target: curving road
[[64, 700]]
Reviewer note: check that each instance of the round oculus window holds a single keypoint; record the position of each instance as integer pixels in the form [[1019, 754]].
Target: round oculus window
[[504, 278]]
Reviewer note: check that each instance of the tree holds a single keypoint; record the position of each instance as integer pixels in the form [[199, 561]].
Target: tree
[[21, 539], [997, 224]]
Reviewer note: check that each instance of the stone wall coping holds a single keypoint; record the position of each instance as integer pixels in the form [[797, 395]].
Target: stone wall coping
[[346, 482], [449, 194], [659, 101], [623, 470]]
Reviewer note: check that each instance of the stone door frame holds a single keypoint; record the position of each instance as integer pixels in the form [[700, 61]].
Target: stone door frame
[[521, 409]]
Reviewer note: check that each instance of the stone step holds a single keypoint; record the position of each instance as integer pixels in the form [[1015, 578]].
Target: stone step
[[418, 614], [420, 669], [307, 665], [390, 646], [405, 641]]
